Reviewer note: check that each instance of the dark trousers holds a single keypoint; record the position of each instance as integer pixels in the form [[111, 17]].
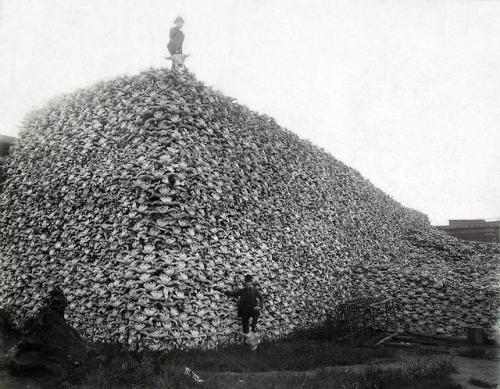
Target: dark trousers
[[245, 320]]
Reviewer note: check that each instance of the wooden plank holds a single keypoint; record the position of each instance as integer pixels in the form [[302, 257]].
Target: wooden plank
[[420, 340], [387, 338], [417, 348], [458, 339]]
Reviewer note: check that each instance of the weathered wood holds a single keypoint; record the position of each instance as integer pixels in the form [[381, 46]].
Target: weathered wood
[[391, 336], [458, 339]]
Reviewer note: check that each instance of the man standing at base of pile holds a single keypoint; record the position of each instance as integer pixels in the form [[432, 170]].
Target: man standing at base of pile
[[247, 306]]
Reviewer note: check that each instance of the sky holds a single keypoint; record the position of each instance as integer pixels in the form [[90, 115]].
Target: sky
[[406, 92]]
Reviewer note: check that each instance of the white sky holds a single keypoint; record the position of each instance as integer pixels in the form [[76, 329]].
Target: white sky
[[407, 92]]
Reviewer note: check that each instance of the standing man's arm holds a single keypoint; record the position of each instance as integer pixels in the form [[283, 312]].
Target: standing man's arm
[[233, 293]]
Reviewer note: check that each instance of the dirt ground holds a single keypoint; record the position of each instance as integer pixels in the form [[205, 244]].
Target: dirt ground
[[486, 370], [476, 368]]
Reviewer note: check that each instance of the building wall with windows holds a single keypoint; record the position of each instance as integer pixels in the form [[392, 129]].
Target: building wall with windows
[[475, 229]]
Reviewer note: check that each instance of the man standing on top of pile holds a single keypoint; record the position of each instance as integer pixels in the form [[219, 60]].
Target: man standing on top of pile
[[247, 306], [175, 44], [176, 37]]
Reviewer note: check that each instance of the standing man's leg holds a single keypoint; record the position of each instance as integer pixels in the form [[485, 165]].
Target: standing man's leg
[[245, 321], [255, 317], [175, 65]]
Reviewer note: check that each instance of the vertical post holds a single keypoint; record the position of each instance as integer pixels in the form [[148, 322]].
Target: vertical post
[[386, 305]]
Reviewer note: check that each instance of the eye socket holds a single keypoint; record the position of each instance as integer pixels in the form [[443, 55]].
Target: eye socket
[[172, 179]]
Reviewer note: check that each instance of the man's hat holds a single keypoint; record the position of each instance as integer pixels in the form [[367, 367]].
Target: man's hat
[[179, 19]]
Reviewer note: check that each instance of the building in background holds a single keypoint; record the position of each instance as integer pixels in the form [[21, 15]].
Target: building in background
[[475, 229], [5, 143]]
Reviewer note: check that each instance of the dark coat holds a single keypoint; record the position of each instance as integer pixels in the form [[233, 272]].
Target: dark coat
[[176, 38], [248, 299]]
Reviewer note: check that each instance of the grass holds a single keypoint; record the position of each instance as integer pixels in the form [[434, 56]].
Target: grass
[[476, 353], [285, 355], [119, 367], [271, 366], [304, 350], [419, 375], [9, 382]]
